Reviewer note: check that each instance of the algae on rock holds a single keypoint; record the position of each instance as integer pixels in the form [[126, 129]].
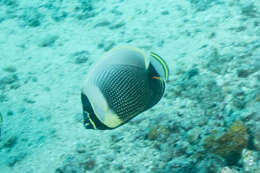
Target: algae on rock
[[230, 144]]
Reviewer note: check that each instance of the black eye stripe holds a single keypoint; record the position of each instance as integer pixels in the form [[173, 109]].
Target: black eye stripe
[[86, 104]]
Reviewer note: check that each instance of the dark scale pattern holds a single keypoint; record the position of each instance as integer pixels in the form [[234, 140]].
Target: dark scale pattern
[[125, 89]]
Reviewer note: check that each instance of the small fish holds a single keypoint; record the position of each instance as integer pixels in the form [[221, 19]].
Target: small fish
[[121, 85]]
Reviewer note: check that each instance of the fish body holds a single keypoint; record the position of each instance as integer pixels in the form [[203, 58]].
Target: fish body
[[121, 85]]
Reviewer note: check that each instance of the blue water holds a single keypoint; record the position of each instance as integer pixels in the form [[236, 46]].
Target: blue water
[[207, 121]]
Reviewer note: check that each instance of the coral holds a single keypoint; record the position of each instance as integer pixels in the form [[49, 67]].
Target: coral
[[153, 133], [158, 133], [230, 144]]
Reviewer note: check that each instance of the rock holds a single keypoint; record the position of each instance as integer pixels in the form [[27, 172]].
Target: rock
[[9, 79], [89, 164], [179, 164], [193, 135], [238, 99], [68, 169], [106, 45], [118, 166], [104, 23], [28, 100], [84, 10], [181, 148], [243, 73], [10, 69], [32, 17], [166, 156], [251, 162], [59, 15], [11, 3], [227, 170], [215, 61], [2, 19], [257, 97], [256, 141], [117, 25], [80, 57], [3, 98], [80, 148], [10, 113], [249, 9], [202, 5], [79, 163], [48, 40], [201, 88], [238, 103], [192, 72], [12, 160], [165, 12], [71, 164], [11, 142], [209, 163], [230, 144]]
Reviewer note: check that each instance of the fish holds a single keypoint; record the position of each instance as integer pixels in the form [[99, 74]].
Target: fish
[[121, 85]]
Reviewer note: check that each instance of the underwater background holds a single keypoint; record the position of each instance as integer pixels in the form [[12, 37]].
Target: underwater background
[[208, 120]]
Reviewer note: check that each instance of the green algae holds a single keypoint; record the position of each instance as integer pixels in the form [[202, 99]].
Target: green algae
[[158, 132], [230, 144]]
